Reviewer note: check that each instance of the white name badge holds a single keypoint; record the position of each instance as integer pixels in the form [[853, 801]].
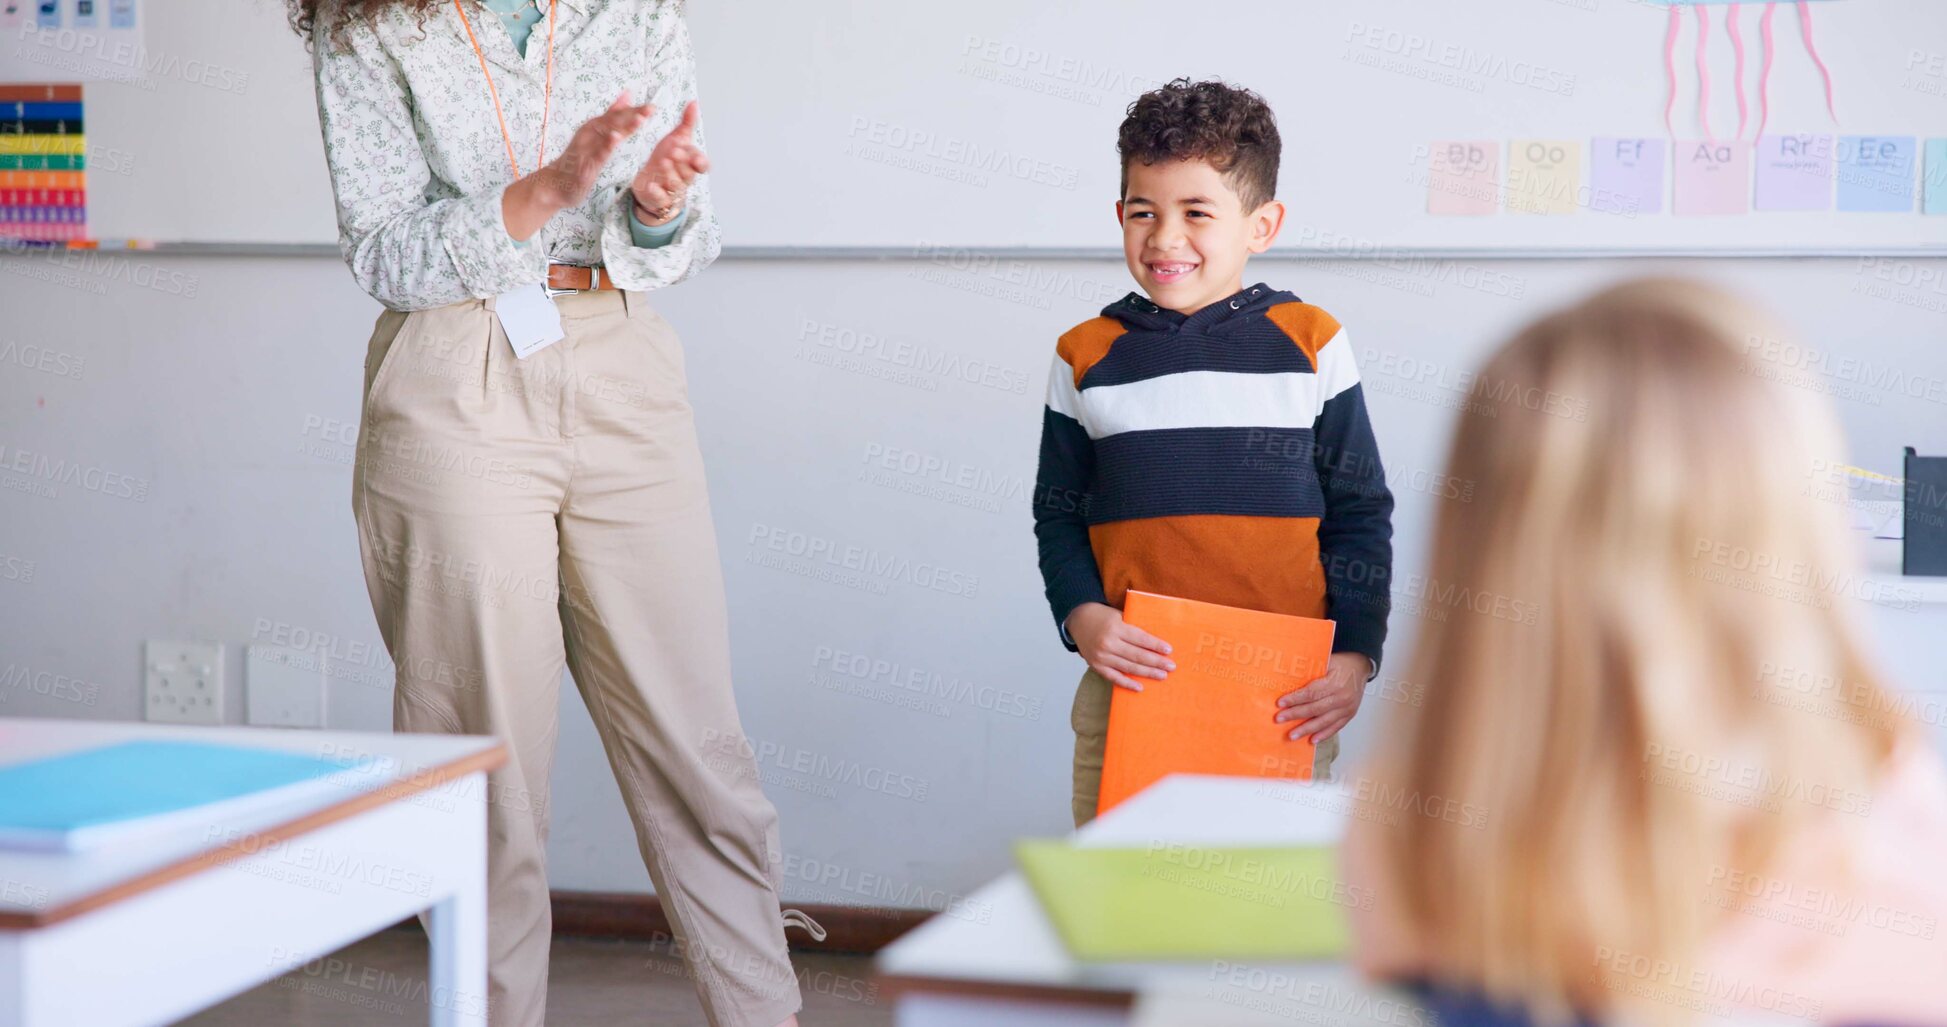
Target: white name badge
[[530, 319]]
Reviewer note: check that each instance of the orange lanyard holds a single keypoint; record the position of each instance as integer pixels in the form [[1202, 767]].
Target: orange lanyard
[[547, 97]]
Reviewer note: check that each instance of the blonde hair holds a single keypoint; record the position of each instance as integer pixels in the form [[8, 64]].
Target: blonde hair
[[1640, 489]]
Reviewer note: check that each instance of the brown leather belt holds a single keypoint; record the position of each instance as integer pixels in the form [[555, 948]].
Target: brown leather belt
[[575, 278]]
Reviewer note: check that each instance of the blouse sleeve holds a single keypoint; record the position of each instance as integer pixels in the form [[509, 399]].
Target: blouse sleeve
[[656, 235], [409, 254], [697, 243]]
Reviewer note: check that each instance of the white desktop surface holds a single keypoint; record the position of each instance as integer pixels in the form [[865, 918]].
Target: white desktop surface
[[149, 933], [42, 885]]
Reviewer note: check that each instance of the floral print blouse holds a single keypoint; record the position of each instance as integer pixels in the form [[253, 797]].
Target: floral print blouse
[[418, 164]]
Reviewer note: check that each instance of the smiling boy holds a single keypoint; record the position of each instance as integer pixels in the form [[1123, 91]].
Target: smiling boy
[[1207, 440]]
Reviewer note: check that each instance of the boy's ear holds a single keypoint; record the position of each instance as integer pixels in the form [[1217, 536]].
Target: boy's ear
[[1265, 224], [1118, 212]]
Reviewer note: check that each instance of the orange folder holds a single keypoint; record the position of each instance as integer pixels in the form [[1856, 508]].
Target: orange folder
[[1212, 715]]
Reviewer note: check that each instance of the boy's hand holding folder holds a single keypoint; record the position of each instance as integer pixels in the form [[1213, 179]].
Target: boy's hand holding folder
[[1227, 710], [1117, 649], [1325, 706]]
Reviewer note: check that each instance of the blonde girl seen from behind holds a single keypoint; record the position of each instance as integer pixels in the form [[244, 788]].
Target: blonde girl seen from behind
[[1684, 760]]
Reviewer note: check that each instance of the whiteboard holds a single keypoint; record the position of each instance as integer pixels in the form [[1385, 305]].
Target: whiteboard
[[906, 126], [993, 123], [213, 137]]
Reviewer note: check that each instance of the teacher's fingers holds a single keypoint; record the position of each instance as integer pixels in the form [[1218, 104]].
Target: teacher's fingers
[[669, 175], [621, 103], [598, 138], [629, 119], [689, 160], [686, 169], [623, 121], [685, 129]]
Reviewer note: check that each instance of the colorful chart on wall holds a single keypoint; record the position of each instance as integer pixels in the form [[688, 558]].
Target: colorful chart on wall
[[43, 163], [1711, 173]]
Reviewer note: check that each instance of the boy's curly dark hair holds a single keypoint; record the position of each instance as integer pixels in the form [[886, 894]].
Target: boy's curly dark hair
[[1230, 127]]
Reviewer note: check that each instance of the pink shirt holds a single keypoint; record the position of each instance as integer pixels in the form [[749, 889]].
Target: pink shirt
[[1798, 938]]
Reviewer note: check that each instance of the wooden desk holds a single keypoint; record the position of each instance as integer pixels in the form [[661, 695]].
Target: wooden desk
[[150, 933]]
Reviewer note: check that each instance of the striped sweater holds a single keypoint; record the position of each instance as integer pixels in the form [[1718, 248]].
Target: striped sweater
[[1223, 456]]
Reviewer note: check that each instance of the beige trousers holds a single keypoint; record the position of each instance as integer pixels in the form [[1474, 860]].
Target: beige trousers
[[1090, 719], [518, 516]]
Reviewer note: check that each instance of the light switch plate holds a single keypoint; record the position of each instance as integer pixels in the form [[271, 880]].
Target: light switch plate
[[283, 687], [183, 682]]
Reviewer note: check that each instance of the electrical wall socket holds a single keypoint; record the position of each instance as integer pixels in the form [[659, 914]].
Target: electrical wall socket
[[283, 687], [183, 682]]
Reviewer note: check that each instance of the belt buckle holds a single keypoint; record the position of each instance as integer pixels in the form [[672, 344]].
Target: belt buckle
[[553, 292]]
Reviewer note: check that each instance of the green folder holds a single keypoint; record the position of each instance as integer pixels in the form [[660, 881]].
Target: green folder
[[1187, 902]]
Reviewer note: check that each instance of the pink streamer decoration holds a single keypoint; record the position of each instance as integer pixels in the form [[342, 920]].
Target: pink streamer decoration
[[1764, 69], [1670, 67], [1805, 29], [1737, 47], [1703, 70]]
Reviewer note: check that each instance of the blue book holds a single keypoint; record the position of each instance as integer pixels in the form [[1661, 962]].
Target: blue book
[[83, 800]]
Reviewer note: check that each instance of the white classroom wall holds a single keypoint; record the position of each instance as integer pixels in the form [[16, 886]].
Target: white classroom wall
[[225, 412], [211, 400]]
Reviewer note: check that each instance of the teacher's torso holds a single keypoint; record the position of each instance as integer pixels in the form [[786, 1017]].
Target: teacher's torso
[[451, 144]]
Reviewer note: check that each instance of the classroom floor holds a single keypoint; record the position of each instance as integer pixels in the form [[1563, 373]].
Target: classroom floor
[[382, 981]]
